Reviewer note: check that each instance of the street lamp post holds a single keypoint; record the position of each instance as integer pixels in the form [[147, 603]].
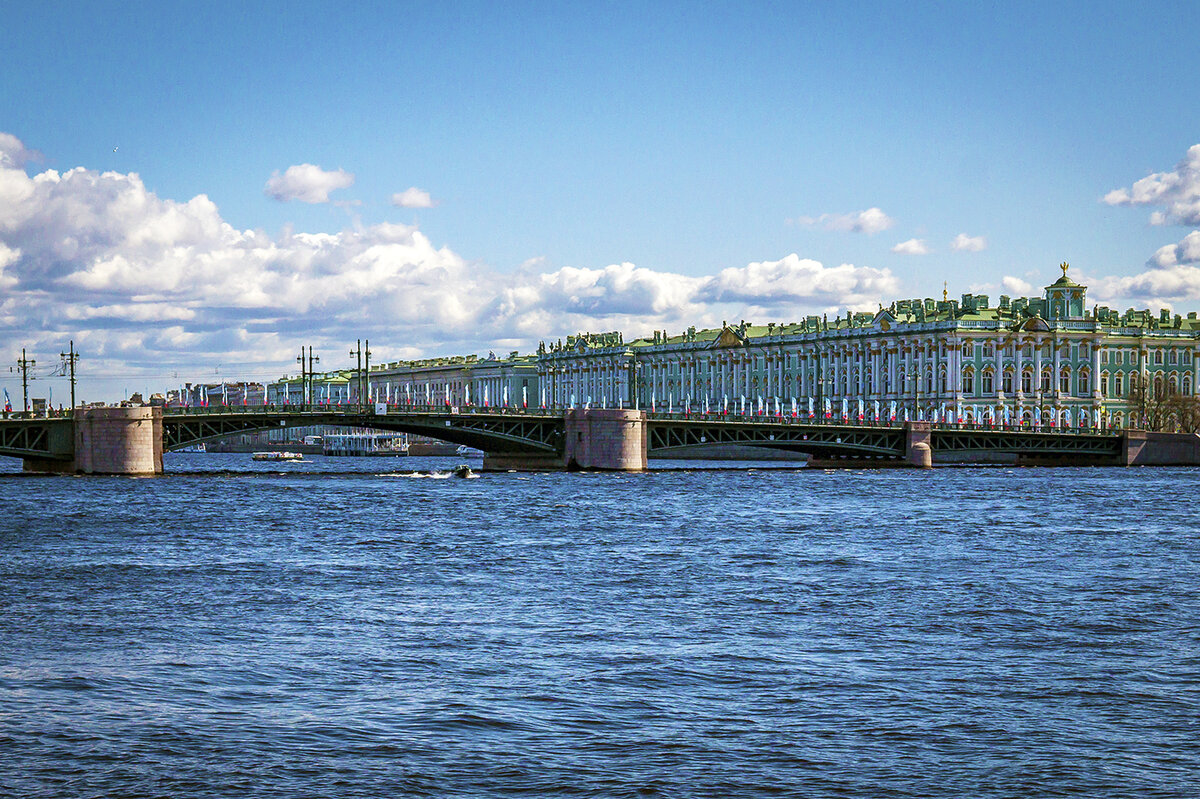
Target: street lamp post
[[71, 357]]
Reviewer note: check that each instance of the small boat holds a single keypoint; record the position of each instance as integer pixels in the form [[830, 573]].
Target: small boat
[[278, 456], [463, 470]]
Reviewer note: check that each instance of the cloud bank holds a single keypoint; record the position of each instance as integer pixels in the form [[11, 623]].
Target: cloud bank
[[1176, 193], [147, 283], [1172, 274]]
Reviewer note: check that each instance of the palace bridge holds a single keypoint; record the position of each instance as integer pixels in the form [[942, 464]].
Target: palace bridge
[[132, 440]]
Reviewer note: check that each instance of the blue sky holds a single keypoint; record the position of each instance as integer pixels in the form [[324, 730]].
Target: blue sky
[[558, 142]]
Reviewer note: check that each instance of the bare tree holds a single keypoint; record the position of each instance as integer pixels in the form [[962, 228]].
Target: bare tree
[[1155, 405]]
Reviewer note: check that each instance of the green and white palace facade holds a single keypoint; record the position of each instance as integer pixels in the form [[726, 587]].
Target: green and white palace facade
[[1045, 360]]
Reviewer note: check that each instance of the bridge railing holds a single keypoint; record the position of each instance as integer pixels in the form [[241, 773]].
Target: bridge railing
[[712, 416], [354, 409], [787, 419]]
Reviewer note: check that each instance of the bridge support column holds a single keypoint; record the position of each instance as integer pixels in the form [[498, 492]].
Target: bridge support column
[[605, 440], [1144, 448], [918, 452], [112, 441]]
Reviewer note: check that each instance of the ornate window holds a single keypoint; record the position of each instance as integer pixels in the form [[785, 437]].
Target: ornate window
[[1064, 381], [1008, 381], [968, 381], [1084, 382], [1027, 381], [1158, 357], [1104, 384], [1187, 385], [1172, 356], [1046, 380], [988, 388]]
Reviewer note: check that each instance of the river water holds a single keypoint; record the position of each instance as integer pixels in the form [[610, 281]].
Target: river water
[[339, 628]]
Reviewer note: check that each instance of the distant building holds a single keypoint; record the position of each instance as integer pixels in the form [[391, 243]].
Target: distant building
[[458, 381], [215, 394]]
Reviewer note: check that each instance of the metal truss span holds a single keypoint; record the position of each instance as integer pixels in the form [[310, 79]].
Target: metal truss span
[[1026, 442], [814, 439], [490, 432], [37, 438]]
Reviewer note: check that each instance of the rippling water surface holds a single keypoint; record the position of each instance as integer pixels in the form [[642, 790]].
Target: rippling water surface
[[335, 628]]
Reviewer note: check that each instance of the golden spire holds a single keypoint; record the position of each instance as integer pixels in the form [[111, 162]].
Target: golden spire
[[1064, 266], [945, 292]]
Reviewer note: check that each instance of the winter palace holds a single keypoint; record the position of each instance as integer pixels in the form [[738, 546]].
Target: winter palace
[[1046, 360]]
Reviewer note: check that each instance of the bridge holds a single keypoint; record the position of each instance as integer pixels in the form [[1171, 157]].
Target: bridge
[[132, 440]]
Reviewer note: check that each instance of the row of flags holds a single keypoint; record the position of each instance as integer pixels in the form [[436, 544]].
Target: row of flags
[[740, 406]]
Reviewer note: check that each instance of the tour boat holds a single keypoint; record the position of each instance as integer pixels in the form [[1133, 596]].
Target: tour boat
[[278, 456]]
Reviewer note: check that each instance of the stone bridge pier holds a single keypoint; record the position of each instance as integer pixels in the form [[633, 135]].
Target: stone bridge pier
[[125, 441], [602, 440]]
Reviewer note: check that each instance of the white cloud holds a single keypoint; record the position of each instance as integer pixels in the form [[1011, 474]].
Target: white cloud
[[777, 286], [307, 183], [870, 221], [1186, 251], [153, 284], [1017, 286], [413, 197], [1176, 193], [969, 243], [13, 153], [911, 247]]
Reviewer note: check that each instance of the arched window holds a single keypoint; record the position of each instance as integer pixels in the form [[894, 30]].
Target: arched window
[[988, 387], [1173, 384], [1172, 356], [1158, 357], [945, 381], [1008, 381], [1027, 381], [1085, 382], [1187, 385], [929, 382], [1064, 381], [1135, 381], [1046, 384], [1158, 385], [968, 381]]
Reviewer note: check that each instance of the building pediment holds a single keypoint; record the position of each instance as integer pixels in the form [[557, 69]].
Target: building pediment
[[883, 320], [1035, 324], [729, 338]]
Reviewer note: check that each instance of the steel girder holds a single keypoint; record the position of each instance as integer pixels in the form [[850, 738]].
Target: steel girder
[[495, 432], [1025, 442], [37, 438], [815, 439]]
